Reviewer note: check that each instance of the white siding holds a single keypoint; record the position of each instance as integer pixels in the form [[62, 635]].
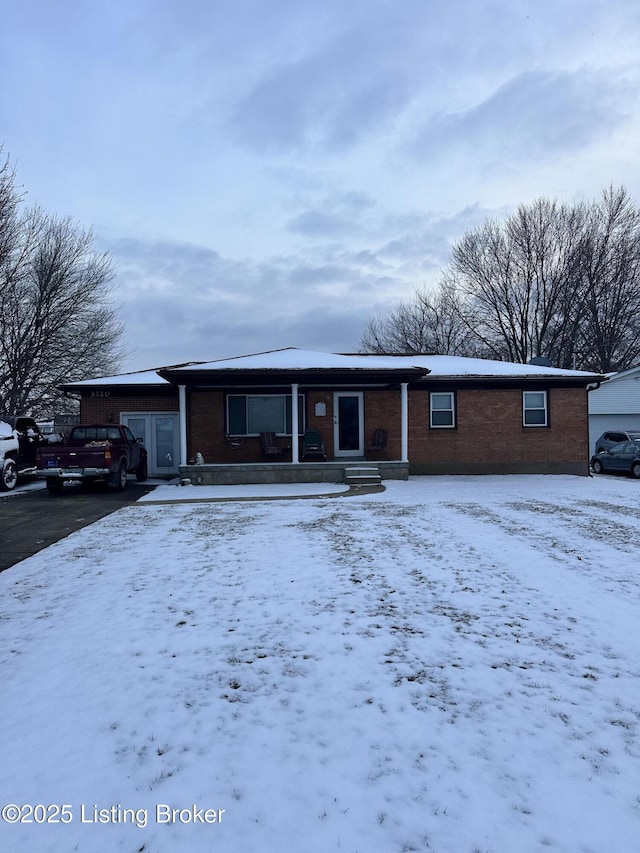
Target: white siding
[[615, 405], [620, 395]]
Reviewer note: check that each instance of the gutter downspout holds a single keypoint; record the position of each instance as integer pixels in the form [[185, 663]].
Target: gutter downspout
[[591, 388]]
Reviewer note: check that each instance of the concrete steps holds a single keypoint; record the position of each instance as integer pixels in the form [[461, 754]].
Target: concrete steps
[[369, 476]]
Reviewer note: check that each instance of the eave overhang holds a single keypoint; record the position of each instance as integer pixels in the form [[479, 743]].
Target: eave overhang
[[304, 377], [512, 381]]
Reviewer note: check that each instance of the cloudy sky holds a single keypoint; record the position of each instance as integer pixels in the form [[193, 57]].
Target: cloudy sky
[[270, 173]]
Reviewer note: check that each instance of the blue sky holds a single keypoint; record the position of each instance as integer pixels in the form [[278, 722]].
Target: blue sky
[[270, 173]]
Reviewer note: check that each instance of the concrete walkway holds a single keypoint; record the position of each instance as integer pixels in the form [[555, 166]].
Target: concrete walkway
[[174, 493]]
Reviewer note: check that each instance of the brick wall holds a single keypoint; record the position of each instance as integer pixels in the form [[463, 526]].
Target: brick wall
[[106, 409], [323, 423], [206, 426], [489, 436], [382, 410], [206, 430]]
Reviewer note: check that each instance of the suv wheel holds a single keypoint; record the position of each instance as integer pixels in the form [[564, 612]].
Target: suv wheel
[[597, 466], [9, 475], [635, 470]]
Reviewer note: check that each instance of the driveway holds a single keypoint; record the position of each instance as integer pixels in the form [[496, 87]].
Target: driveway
[[31, 519]]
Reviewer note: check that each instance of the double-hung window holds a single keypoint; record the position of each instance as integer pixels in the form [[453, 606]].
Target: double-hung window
[[251, 414], [535, 410], [442, 411]]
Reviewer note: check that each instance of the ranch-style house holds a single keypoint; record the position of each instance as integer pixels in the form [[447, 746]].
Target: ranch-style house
[[399, 414]]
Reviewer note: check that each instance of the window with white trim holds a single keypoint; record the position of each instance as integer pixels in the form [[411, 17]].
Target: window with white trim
[[251, 414], [535, 409], [442, 412]]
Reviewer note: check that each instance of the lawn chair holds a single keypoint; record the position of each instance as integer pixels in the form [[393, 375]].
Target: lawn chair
[[270, 447], [313, 446], [235, 442], [378, 446]]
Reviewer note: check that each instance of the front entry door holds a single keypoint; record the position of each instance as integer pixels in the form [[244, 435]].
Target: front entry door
[[348, 423], [159, 433]]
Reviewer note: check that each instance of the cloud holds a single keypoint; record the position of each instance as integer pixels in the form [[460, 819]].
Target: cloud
[[330, 99], [284, 170], [336, 216], [532, 116], [183, 302]]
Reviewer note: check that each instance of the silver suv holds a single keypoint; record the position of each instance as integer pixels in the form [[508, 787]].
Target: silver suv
[[608, 439]]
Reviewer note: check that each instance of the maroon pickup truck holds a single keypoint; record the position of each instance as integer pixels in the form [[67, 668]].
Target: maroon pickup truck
[[93, 452]]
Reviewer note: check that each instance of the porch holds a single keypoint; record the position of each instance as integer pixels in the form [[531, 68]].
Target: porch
[[342, 471]]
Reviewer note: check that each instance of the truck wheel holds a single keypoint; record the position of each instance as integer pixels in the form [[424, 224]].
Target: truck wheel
[[119, 481], [54, 485], [142, 471], [9, 475]]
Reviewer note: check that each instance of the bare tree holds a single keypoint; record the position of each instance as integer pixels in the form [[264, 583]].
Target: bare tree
[[554, 280], [515, 279], [430, 323], [608, 270], [57, 322]]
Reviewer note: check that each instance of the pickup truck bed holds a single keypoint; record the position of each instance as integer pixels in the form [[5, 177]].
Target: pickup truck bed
[[93, 453]]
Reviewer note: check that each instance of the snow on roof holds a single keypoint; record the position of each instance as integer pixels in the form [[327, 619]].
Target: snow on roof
[[438, 365], [453, 365], [292, 359], [140, 377], [5, 430], [629, 373]]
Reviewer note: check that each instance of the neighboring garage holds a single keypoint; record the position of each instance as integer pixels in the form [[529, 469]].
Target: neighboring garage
[[615, 405]]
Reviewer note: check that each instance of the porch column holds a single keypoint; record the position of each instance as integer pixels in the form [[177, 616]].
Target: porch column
[[404, 421], [294, 423], [182, 408]]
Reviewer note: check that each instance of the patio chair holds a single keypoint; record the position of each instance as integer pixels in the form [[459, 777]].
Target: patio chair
[[313, 446], [378, 444], [235, 442], [270, 446]]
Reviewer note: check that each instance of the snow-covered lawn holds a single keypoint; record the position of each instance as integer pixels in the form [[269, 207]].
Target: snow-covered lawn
[[451, 665]]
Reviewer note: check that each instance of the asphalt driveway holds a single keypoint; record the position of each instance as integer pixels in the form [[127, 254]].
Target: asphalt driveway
[[32, 520]]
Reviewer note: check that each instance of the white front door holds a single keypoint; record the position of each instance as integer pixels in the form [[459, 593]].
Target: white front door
[[348, 423], [159, 432]]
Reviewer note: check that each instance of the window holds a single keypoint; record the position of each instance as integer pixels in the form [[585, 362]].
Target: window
[[251, 414], [534, 409], [442, 410], [92, 433]]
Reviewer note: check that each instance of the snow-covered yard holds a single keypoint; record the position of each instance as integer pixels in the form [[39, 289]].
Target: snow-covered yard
[[451, 665]]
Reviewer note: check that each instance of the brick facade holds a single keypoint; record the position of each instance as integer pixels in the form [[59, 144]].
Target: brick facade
[[105, 406], [488, 436]]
